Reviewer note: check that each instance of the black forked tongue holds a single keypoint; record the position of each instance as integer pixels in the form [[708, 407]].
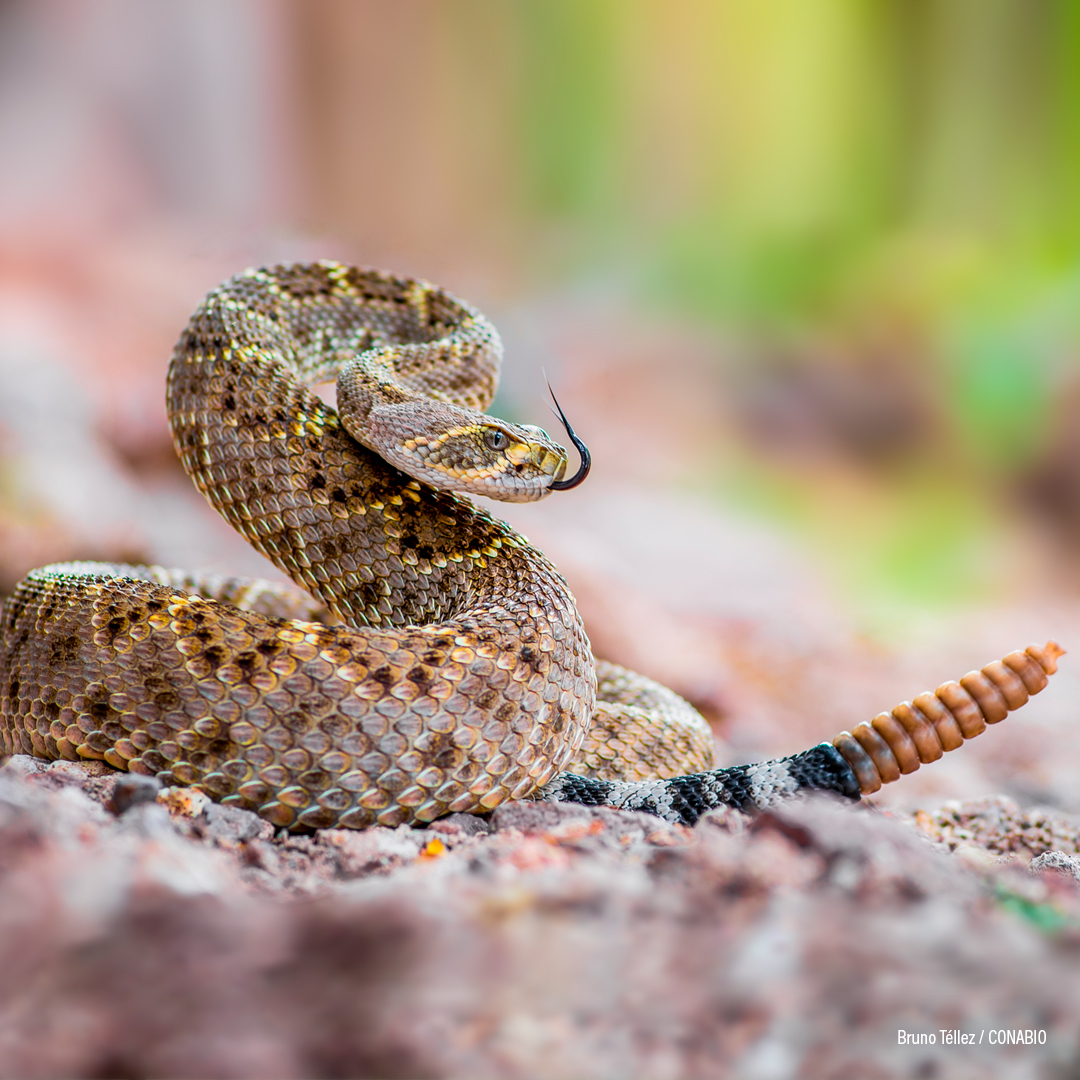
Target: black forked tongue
[[582, 449]]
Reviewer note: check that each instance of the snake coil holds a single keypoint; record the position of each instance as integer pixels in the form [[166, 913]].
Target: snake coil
[[454, 672]]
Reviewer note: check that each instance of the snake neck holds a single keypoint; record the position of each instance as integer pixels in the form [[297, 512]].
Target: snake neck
[[376, 546]]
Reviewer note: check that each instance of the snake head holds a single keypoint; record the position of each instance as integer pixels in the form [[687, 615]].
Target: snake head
[[485, 456], [451, 447]]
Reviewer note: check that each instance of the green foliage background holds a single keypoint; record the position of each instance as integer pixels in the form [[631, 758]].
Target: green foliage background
[[793, 171]]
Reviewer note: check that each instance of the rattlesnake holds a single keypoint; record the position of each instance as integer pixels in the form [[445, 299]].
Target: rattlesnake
[[437, 661]]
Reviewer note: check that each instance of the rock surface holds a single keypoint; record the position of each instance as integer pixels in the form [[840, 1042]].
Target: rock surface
[[179, 937]]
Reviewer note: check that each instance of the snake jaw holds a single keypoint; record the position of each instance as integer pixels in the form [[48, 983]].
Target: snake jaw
[[557, 471], [530, 471], [545, 458]]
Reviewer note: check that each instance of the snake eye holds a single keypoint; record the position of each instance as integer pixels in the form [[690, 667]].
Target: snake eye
[[496, 439]]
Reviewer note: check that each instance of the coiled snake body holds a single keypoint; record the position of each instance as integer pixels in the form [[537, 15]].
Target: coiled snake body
[[452, 671]]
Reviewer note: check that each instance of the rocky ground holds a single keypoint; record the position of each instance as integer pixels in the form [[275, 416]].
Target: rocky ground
[[154, 933]]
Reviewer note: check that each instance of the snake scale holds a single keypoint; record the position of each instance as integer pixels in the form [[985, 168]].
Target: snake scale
[[434, 660]]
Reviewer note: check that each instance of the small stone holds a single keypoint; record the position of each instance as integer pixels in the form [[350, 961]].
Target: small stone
[[130, 790], [24, 765], [230, 826], [183, 802], [1057, 860], [461, 825]]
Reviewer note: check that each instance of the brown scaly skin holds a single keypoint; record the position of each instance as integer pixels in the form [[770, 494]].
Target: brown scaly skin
[[461, 675]]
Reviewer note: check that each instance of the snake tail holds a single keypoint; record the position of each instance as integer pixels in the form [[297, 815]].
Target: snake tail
[[854, 764], [919, 731], [683, 799]]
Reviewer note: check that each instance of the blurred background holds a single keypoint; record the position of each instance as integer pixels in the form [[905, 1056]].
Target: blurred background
[[805, 277]]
